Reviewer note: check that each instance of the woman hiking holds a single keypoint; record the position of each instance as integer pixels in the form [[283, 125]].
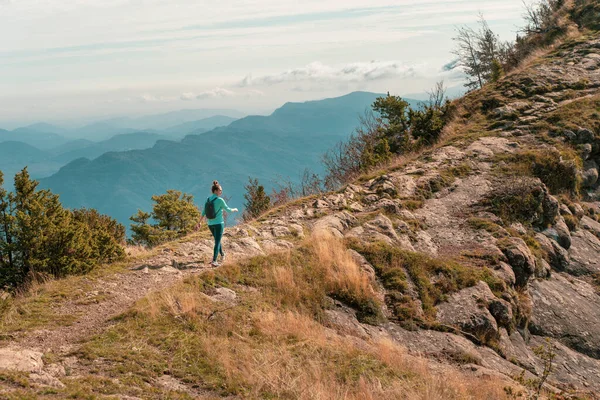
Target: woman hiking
[[213, 211]]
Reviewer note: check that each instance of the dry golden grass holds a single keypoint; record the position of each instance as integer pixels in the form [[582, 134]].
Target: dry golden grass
[[343, 274], [290, 355], [270, 344]]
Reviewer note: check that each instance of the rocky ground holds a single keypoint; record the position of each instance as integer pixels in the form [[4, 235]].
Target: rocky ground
[[433, 205]]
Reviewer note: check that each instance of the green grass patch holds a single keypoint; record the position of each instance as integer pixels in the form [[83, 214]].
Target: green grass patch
[[558, 170], [434, 279]]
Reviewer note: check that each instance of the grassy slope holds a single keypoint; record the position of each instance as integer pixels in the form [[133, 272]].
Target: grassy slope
[[271, 343]]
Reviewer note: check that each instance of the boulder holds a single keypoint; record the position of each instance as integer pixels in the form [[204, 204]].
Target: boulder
[[468, 310], [558, 257], [501, 310], [567, 309], [585, 150], [22, 360], [335, 224], [564, 210], [584, 135], [560, 232], [590, 225], [589, 175], [519, 258], [551, 208], [505, 272], [583, 253]]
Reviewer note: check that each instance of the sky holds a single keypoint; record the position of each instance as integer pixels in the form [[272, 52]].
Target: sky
[[78, 60]]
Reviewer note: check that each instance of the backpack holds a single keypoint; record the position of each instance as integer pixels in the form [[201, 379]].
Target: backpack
[[209, 208]]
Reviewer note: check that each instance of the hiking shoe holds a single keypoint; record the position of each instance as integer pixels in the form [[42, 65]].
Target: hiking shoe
[[223, 258], [215, 264]]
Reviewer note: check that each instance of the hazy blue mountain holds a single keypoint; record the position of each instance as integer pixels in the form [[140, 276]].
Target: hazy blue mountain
[[100, 131], [91, 150], [14, 156], [45, 127], [168, 120], [294, 137], [33, 137], [199, 126]]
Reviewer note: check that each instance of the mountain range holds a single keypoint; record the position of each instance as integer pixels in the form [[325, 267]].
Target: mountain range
[[45, 148], [283, 144]]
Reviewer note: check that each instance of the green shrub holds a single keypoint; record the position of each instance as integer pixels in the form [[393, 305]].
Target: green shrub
[[174, 215], [39, 238]]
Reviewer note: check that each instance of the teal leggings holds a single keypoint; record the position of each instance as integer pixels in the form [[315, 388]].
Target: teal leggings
[[217, 232]]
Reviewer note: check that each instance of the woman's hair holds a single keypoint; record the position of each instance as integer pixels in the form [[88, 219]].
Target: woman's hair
[[216, 187]]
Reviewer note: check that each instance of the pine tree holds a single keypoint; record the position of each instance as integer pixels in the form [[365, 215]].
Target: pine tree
[[174, 214], [257, 200], [39, 238]]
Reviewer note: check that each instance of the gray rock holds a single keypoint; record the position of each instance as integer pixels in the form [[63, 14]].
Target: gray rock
[[387, 205], [585, 150], [589, 175], [505, 272], [589, 224], [584, 252], [356, 207], [564, 210], [578, 210], [319, 203], [363, 263], [551, 208], [335, 224], [557, 256], [22, 360], [520, 259], [569, 310], [570, 135], [562, 230], [584, 136], [501, 311], [467, 310]]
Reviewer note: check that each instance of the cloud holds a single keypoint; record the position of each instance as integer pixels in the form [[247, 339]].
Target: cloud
[[216, 93], [317, 71], [150, 98], [187, 96]]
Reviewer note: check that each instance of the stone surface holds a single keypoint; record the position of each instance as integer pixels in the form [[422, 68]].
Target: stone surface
[[590, 225], [584, 253], [23, 360], [567, 309], [468, 310], [589, 176], [520, 259]]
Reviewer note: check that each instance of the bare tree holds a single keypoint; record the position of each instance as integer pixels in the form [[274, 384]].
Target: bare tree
[[539, 16], [466, 41]]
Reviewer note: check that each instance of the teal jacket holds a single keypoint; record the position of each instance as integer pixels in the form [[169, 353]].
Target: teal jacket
[[220, 205]]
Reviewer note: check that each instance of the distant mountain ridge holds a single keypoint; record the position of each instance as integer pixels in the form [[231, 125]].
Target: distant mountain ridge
[[291, 139]]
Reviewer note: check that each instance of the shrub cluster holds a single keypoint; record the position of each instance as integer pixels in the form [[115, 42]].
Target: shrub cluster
[[38, 237], [174, 215], [392, 128]]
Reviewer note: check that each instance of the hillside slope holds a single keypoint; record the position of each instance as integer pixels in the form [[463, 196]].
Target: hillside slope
[[475, 254]]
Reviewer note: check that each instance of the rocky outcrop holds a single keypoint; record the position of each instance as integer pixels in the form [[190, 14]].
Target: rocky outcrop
[[584, 254], [477, 311], [568, 310], [519, 258]]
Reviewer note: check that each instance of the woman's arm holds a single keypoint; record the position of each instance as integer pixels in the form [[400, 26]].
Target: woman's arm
[[225, 207]]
